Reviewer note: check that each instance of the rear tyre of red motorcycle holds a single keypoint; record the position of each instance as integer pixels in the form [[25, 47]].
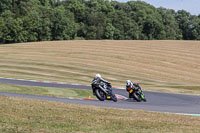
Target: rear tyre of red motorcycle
[[114, 98], [136, 97], [100, 95], [144, 99]]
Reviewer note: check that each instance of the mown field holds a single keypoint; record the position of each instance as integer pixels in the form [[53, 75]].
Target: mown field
[[36, 116], [170, 66]]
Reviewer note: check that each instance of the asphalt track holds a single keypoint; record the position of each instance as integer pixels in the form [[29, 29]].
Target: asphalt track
[[156, 101]]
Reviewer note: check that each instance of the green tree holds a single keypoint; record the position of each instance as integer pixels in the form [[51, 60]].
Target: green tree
[[95, 22], [13, 30], [45, 24], [170, 25], [31, 24], [183, 19], [5, 5], [91, 33], [2, 26], [77, 7], [24, 7], [118, 23], [194, 28], [124, 22], [109, 31], [64, 27], [42, 20]]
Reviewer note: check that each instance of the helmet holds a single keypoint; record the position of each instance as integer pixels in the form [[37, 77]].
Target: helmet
[[129, 83], [97, 76]]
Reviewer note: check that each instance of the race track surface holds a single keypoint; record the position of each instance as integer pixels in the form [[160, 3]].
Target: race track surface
[[156, 101]]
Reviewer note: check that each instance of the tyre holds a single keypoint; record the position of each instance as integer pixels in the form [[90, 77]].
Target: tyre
[[136, 97], [114, 98], [144, 99], [100, 94]]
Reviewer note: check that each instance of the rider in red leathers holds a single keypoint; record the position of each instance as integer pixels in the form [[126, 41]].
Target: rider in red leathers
[[131, 85]]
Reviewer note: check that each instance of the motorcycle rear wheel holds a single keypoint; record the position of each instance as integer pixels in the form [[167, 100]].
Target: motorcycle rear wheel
[[144, 99]]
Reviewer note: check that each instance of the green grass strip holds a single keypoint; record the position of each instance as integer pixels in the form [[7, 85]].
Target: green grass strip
[[46, 91]]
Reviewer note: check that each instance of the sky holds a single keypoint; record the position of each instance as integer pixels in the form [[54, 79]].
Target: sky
[[192, 6]]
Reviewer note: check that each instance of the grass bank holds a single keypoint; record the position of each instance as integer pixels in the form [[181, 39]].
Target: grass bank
[[26, 115]]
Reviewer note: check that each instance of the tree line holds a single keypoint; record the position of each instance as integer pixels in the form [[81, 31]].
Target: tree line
[[44, 20]]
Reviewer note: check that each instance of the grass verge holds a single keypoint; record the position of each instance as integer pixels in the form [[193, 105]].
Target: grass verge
[[46, 91], [27, 115]]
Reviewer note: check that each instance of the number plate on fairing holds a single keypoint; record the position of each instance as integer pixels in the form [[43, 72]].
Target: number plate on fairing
[[131, 91]]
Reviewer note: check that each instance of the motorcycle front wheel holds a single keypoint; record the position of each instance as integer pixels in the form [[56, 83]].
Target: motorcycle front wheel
[[114, 98], [100, 95], [136, 97]]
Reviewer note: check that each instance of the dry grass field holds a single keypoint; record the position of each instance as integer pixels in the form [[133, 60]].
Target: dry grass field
[[170, 66], [21, 115]]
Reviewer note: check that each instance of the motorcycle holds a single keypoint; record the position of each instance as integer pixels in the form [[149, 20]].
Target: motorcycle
[[137, 94], [104, 92]]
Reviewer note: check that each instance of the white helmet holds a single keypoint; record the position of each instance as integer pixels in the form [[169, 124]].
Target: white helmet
[[129, 83], [97, 76]]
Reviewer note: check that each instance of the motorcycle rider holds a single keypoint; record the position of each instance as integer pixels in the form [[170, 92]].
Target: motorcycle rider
[[131, 85], [97, 81]]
